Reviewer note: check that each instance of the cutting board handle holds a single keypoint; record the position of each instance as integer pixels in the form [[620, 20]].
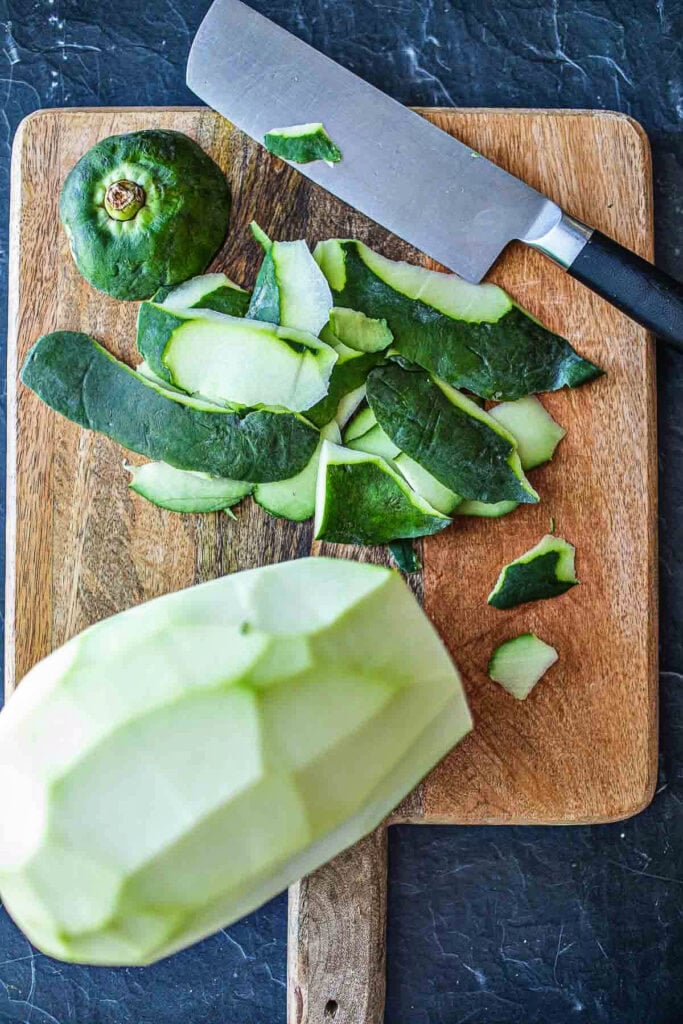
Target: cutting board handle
[[337, 938]]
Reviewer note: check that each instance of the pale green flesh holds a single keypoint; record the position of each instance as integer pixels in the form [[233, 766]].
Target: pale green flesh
[[189, 294], [296, 131], [305, 296], [376, 442], [146, 371], [348, 405], [173, 767], [363, 421], [359, 331], [197, 401], [261, 237], [536, 432], [428, 486], [483, 510], [248, 362], [329, 256], [447, 293], [180, 490], [518, 664], [295, 498], [304, 299]]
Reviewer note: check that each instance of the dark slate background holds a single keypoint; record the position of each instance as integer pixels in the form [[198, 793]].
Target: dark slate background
[[487, 925]]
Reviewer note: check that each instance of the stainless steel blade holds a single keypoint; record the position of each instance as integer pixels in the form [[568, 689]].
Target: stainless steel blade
[[398, 169]]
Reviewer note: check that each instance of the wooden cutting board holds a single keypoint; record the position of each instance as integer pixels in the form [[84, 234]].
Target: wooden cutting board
[[81, 546]]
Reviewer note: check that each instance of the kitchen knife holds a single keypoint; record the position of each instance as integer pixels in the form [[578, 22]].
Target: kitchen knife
[[406, 174]]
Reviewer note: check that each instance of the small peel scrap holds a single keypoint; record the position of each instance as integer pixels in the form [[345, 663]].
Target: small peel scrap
[[547, 570], [518, 664], [302, 144]]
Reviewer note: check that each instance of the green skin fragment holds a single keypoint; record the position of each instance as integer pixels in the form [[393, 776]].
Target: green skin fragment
[[359, 331], [179, 490], [462, 451], [290, 290], [232, 301], [544, 572], [347, 375], [294, 499], [314, 144], [405, 556], [171, 237], [504, 360], [78, 378], [363, 502], [155, 326], [482, 510]]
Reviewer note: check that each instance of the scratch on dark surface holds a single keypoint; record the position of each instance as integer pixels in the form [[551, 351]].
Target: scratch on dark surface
[[646, 874], [601, 948], [235, 943], [10, 48]]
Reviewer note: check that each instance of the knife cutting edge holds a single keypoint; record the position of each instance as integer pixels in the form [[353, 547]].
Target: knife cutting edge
[[405, 173]]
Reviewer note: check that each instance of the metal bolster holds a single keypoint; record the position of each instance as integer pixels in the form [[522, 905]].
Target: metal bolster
[[563, 241]]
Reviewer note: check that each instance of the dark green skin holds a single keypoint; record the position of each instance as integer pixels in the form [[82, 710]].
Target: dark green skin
[[531, 581], [304, 149], [405, 556], [505, 360], [155, 326], [463, 453], [222, 300], [186, 213], [345, 378], [363, 505], [78, 378]]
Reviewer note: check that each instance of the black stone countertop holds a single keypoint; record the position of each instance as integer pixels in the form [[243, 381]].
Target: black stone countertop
[[486, 925]]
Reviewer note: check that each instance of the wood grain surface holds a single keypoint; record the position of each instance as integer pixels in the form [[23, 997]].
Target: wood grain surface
[[81, 546], [336, 938]]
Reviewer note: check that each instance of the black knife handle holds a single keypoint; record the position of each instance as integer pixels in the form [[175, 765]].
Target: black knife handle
[[633, 285]]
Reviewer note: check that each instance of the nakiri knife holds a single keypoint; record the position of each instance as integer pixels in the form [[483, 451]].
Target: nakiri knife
[[403, 172]]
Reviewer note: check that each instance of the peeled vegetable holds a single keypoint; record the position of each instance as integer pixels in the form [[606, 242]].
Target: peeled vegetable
[[174, 766]]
